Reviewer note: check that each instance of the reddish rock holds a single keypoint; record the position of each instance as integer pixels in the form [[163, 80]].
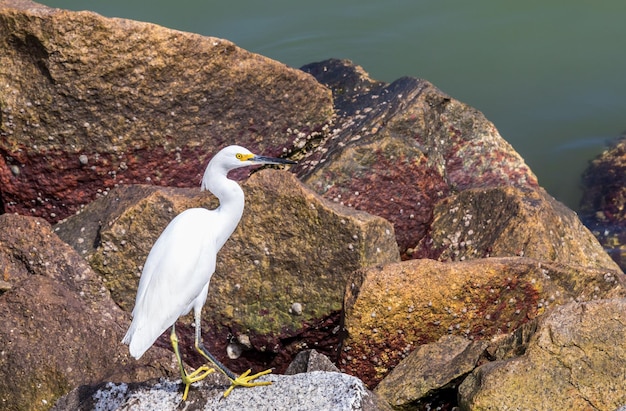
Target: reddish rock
[[603, 206], [391, 310], [398, 148], [60, 327], [92, 102]]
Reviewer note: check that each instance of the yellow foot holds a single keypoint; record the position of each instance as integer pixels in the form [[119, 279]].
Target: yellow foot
[[245, 381], [195, 376]]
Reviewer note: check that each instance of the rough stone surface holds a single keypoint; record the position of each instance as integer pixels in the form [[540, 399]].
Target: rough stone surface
[[89, 102], [505, 346], [507, 221], [291, 246], [310, 360], [318, 390], [603, 206], [116, 241], [391, 310], [575, 361], [60, 327], [431, 373], [398, 148]]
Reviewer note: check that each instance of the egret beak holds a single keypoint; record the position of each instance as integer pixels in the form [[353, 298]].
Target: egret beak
[[270, 160]]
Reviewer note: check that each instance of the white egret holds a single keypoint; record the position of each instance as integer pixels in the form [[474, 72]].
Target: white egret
[[177, 272]]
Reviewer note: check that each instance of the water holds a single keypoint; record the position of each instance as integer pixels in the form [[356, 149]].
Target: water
[[551, 75]]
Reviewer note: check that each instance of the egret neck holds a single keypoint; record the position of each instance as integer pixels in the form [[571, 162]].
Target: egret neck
[[231, 199]]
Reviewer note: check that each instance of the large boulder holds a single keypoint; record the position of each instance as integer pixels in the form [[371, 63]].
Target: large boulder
[[90, 102], [603, 206], [391, 310], [575, 361], [60, 328], [397, 149], [280, 278], [507, 221]]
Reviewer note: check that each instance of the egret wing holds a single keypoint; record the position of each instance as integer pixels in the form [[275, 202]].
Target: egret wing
[[175, 274]]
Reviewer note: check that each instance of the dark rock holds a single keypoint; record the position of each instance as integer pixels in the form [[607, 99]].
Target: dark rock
[[428, 377], [575, 361], [603, 206], [310, 360], [399, 148], [93, 102], [60, 327], [391, 310], [291, 247]]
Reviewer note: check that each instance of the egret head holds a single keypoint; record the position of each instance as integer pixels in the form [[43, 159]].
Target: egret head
[[233, 157]]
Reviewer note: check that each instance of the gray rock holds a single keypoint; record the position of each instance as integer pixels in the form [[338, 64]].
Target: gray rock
[[310, 360], [315, 391]]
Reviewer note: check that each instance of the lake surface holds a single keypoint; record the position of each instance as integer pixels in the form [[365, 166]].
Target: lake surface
[[551, 75]]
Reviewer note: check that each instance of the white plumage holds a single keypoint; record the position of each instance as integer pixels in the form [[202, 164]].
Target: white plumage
[[178, 270]]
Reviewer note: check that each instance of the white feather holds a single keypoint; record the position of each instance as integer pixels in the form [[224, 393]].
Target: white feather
[[177, 272]]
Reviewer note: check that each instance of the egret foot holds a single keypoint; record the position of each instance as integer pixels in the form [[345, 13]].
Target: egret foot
[[195, 376], [244, 380], [199, 374]]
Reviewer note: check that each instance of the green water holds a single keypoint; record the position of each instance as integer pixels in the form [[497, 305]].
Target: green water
[[551, 75]]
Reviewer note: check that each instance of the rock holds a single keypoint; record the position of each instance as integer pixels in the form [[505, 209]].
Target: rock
[[603, 206], [505, 346], [391, 310], [116, 232], [575, 361], [92, 102], [95, 104], [310, 360], [431, 373], [60, 327], [397, 149], [291, 246], [507, 221], [318, 390]]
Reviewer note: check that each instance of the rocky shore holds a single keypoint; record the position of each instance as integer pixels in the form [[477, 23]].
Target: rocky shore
[[410, 260]]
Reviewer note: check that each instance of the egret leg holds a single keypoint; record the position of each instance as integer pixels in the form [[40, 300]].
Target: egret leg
[[188, 379], [243, 380]]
